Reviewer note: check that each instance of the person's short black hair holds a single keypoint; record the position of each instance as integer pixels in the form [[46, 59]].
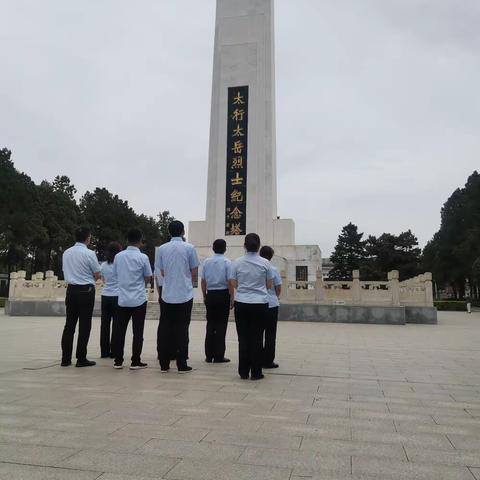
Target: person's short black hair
[[219, 245], [267, 252], [112, 249], [252, 242], [82, 233], [134, 235], [176, 228]]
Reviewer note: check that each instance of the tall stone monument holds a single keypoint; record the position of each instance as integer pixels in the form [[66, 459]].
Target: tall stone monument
[[242, 177]]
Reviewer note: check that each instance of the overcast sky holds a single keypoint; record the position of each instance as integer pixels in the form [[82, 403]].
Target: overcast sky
[[378, 105]]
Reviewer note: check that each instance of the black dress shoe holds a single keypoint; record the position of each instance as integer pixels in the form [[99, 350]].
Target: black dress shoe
[[138, 366], [66, 363], [271, 365], [85, 363], [185, 369], [258, 377], [209, 360], [222, 360], [244, 377]]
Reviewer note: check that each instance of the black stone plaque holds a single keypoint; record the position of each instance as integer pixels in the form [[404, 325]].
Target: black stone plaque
[[237, 147]]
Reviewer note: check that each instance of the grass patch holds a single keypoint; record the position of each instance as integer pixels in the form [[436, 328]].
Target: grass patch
[[450, 305]]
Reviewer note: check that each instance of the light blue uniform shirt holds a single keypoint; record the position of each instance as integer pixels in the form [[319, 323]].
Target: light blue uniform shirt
[[272, 295], [176, 259], [79, 265], [110, 284], [216, 272], [131, 267], [251, 273]]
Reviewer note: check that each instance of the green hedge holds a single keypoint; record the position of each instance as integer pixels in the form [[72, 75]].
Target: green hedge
[[451, 305], [2, 302]]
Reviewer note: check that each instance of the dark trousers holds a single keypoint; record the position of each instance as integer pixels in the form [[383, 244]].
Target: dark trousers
[[137, 314], [270, 336], [250, 319], [109, 316], [172, 333], [218, 310], [79, 302]]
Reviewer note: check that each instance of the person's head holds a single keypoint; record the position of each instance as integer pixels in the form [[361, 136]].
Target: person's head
[[135, 236], [176, 228], [267, 252], [83, 235], [252, 242], [219, 245], [112, 249]]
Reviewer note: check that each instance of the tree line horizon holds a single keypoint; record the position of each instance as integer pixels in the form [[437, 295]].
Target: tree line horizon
[[37, 224]]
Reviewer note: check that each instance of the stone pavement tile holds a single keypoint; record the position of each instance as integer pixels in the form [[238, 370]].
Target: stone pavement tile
[[206, 450], [475, 473], [189, 469], [118, 476], [427, 410], [79, 425], [341, 432], [234, 424], [125, 463], [135, 416], [284, 416], [254, 439], [162, 432], [468, 458], [459, 421], [392, 469], [15, 471], [303, 459], [422, 440], [340, 447], [203, 410], [9, 409], [397, 417], [384, 425], [34, 454], [465, 442], [16, 420], [460, 429]]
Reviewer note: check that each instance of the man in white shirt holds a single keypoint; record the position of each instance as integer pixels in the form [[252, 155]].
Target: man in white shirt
[[80, 269]]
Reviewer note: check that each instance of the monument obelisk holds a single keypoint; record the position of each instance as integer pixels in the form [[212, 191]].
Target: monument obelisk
[[242, 177]]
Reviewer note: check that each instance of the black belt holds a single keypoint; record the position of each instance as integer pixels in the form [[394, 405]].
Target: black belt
[[86, 288], [219, 291]]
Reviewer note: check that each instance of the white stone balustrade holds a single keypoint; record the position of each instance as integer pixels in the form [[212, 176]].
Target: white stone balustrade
[[416, 291], [48, 287]]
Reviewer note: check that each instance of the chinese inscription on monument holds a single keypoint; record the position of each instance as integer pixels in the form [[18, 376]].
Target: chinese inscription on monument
[[236, 196]]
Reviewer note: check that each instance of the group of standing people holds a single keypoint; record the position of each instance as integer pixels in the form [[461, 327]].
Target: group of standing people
[[250, 285]]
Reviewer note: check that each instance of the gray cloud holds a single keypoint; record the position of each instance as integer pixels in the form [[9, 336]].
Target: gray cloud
[[377, 105]]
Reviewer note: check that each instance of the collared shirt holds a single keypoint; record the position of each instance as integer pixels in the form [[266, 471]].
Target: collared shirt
[[110, 284], [216, 272], [272, 294], [79, 265], [131, 267], [251, 273], [176, 259]]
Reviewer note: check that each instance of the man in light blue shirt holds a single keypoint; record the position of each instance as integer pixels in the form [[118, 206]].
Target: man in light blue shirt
[[270, 330], [132, 269], [218, 297], [178, 263], [80, 269]]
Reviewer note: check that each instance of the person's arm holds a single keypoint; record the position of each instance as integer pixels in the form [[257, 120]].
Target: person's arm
[[278, 290], [231, 290], [269, 283], [203, 284], [269, 277], [147, 271], [194, 272], [95, 266]]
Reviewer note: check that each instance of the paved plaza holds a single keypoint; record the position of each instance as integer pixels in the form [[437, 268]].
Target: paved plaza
[[349, 402]]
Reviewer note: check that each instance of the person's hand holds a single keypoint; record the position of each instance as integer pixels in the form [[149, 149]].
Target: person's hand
[[232, 304]]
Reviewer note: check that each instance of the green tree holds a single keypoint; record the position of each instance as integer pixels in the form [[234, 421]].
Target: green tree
[[349, 253], [20, 215]]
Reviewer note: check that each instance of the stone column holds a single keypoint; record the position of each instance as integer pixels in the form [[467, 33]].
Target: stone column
[[394, 287], [13, 284], [356, 290], [428, 289], [284, 291], [319, 287]]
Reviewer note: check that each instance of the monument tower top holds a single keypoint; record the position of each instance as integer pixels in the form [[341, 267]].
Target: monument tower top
[[242, 178]]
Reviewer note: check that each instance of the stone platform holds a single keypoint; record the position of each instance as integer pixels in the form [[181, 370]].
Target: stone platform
[[349, 402]]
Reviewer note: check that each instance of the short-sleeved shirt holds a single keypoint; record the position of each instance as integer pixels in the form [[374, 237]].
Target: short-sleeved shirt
[[131, 267], [272, 294], [79, 265], [110, 284], [216, 272], [251, 273], [176, 259]]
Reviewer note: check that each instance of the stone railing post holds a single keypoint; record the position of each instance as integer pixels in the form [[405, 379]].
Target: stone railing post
[[428, 289], [284, 290], [49, 284], [13, 284], [394, 287], [356, 290], [319, 287]]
